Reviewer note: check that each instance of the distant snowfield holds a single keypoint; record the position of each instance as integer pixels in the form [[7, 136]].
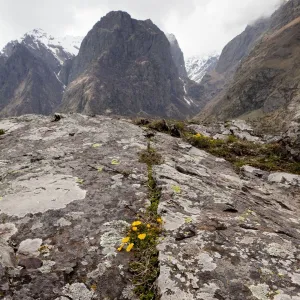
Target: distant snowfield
[[198, 66]]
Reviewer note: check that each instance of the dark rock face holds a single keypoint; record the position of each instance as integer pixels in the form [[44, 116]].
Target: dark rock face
[[124, 66], [177, 55], [34, 72], [65, 71], [214, 83], [27, 85], [240, 46]]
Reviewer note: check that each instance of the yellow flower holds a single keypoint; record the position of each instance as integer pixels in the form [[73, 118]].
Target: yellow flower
[[94, 287], [129, 247], [134, 228], [159, 220], [148, 226], [142, 236], [125, 240], [136, 223], [198, 135], [121, 247]]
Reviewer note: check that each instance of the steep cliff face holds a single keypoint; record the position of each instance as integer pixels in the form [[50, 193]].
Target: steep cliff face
[[266, 84], [240, 46], [125, 66], [177, 55], [217, 78], [27, 85]]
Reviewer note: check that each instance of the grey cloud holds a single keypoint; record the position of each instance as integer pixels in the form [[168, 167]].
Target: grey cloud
[[201, 26]]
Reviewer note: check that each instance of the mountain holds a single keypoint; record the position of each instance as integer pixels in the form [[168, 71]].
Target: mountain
[[30, 70], [125, 66], [265, 86], [54, 51], [177, 55], [27, 85], [221, 72], [198, 66]]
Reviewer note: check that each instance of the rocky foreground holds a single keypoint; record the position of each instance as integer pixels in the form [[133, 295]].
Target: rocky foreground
[[69, 189]]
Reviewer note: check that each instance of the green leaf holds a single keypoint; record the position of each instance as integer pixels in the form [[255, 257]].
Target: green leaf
[[100, 169], [176, 189], [115, 162]]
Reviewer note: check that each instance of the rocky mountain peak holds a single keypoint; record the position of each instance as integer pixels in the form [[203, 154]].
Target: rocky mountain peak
[[114, 19], [54, 51], [125, 66]]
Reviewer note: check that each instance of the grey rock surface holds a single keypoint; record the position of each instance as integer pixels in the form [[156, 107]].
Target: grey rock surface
[[238, 128], [291, 139], [227, 236], [66, 206]]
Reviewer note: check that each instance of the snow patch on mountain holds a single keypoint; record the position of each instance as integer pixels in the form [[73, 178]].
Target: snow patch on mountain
[[198, 66], [70, 44]]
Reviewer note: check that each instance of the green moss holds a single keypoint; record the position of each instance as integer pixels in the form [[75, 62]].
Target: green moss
[[2, 131]]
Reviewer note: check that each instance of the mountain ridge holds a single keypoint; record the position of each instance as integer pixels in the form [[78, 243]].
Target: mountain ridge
[[264, 88]]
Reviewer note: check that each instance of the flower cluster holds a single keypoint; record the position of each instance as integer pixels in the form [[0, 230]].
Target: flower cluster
[[139, 235]]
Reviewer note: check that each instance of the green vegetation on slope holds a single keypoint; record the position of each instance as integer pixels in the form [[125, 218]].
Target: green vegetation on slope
[[269, 157]]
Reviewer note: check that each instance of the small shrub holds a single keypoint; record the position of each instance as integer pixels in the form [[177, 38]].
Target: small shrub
[[2, 131], [150, 157], [141, 121], [180, 125], [200, 141], [159, 125]]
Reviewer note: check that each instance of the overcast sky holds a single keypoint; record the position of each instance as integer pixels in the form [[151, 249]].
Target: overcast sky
[[201, 26]]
